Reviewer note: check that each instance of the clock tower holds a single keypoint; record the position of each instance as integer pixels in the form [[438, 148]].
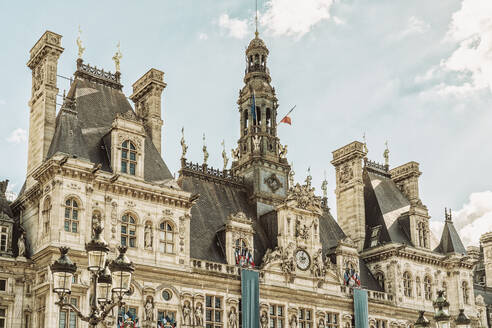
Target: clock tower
[[259, 157]]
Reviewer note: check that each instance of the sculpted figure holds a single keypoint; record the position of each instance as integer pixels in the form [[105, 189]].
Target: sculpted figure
[[187, 314], [318, 268], [21, 245], [321, 323], [256, 143], [148, 236], [235, 154], [264, 320], [184, 147], [149, 309], [282, 151], [198, 315], [293, 321], [233, 318]]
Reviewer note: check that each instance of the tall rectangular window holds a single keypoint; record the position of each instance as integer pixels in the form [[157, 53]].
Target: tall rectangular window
[[4, 236], [277, 316], [67, 317], [213, 311], [305, 318], [3, 318], [166, 317], [3, 285], [332, 320]]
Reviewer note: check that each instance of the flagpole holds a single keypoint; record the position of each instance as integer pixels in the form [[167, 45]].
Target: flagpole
[[290, 111]]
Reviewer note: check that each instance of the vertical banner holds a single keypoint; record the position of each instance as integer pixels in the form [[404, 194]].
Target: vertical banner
[[250, 299], [361, 311]]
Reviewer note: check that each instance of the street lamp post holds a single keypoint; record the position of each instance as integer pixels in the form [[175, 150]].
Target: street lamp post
[[441, 308], [422, 321], [110, 281], [462, 321]]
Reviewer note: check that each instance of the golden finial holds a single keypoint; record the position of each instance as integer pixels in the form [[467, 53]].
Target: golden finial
[[386, 154], [79, 44], [184, 147], [224, 155], [117, 56]]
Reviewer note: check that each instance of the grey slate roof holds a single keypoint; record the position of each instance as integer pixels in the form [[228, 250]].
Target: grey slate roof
[[450, 240], [383, 198], [81, 128]]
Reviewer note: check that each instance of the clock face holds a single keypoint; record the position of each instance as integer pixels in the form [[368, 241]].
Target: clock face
[[302, 259]]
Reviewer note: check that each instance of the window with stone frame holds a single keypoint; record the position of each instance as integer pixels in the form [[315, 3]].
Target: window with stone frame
[[3, 318], [241, 252], [166, 237], [380, 278], [423, 234], [213, 311], [3, 285], [128, 230], [305, 318], [71, 215], [164, 315], [45, 214], [407, 284], [129, 310], [427, 288], [277, 316], [67, 318], [40, 311], [466, 292], [128, 158], [332, 320], [4, 238]]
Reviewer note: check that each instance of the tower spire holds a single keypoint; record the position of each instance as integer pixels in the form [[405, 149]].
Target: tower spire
[[256, 18]]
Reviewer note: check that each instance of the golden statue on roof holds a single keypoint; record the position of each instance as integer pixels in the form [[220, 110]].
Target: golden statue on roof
[[79, 44], [117, 56]]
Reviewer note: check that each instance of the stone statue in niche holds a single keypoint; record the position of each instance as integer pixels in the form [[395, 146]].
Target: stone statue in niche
[[149, 309], [21, 244], [233, 318], [318, 268], [293, 321], [198, 315], [148, 236], [264, 320], [187, 313], [321, 323]]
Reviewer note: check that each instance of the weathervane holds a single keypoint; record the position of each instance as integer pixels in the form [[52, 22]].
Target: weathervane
[[117, 56], [205, 152], [79, 44], [256, 18], [224, 155]]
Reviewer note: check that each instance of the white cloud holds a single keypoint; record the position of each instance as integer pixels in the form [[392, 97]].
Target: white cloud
[[202, 36], [474, 219], [17, 136], [293, 17], [2, 102], [236, 28], [338, 20], [414, 26], [471, 28]]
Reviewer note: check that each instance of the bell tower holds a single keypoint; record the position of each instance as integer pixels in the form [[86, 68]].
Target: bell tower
[[259, 157]]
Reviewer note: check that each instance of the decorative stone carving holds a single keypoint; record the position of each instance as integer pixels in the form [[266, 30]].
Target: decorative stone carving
[[273, 182], [149, 309], [302, 229], [117, 57], [186, 313], [282, 150], [148, 237], [293, 321], [304, 197], [291, 176], [264, 319], [21, 245], [346, 173], [321, 323], [318, 268], [224, 155], [256, 143], [205, 152], [235, 154], [232, 318], [198, 314], [184, 147]]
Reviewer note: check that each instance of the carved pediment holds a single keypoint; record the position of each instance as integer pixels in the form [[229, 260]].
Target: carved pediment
[[304, 198]]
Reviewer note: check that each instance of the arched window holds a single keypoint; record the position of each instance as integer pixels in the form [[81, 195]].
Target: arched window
[[71, 215], [268, 119], [128, 230], [407, 284], [128, 157], [466, 292], [46, 215], [240, 251], [418, 286], [427, 288], [380, 279], [166, 237]]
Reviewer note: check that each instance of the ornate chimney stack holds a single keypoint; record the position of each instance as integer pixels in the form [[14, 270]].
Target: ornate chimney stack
[[486, 242], [406, 177], [146, 95], [350, 191], [43, 62]]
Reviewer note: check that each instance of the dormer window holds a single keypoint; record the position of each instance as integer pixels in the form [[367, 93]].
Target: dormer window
[[4, 237], [128, 158]]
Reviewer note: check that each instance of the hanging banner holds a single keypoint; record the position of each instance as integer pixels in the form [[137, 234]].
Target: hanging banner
[[361, 310], [250, 298]]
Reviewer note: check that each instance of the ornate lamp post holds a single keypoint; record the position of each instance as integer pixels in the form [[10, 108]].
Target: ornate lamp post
[[462, 321], [441, 308], [422, 322], [108, 288]]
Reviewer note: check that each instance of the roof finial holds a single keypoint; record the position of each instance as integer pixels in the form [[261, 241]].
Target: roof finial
[[324, 186], [365, 142], [309, 178], [117, 56], [224, 154], [205, 152], [291, 175], [79, 44], [386, 154], [256, 18], [184, 147], [448, 215]]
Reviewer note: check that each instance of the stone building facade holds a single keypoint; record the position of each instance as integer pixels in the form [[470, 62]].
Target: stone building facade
[[99, 160]]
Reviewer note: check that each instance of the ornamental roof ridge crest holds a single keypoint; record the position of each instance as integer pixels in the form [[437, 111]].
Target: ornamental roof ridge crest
[[304, 197], [97, 75]]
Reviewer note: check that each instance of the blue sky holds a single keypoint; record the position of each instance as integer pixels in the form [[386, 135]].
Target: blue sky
[[415, 73]]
